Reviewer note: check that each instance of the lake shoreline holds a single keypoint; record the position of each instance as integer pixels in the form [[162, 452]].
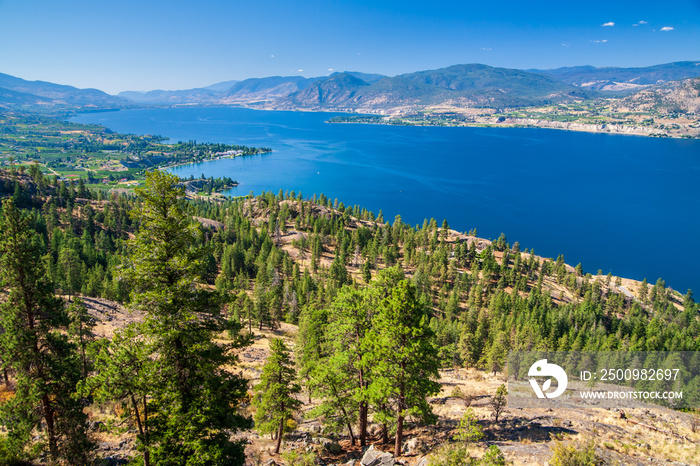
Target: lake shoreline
[[550, 190], [622, 130]]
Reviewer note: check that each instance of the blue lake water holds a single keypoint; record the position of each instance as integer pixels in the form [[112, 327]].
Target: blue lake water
[[624, 204]]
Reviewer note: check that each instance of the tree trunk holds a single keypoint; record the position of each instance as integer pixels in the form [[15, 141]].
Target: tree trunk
[[279, 436], [385, 434], [48, 417], [399, 436], [399, 423], [363, 412], [363, 424], [352, 436], [146, 458], [47, 409], [146, 452], [82, 350]]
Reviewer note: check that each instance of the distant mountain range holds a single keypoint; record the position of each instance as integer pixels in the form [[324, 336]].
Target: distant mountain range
[[249, 91], [471, 85], [41, 95], [615, 79], [465, 85], [468, 85]]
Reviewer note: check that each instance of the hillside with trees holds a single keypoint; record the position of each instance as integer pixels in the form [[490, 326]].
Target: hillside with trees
[[378, 327]]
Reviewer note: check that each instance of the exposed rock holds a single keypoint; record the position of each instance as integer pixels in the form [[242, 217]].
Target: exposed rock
[[208, 223], [412, 446], [373, 457]]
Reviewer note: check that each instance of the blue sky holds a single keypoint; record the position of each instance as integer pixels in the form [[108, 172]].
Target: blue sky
[[154, 44]]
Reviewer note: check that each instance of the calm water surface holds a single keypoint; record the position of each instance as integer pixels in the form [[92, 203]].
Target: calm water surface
[[624, 204]]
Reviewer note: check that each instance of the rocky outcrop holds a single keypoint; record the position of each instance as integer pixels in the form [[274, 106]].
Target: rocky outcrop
[[374, 457], [412, 447]]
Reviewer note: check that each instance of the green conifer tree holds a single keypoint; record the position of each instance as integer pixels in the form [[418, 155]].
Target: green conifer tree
[[36, 349], [405, 359], [344, 375], [274, 397], [193, 397]]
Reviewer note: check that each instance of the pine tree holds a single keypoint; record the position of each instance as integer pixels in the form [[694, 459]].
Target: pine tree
[[405, 359], [274, 398], [310, 337], [344, 374], [499, 401], [193, 398], [36, 349], [497, 353], [366, 271]]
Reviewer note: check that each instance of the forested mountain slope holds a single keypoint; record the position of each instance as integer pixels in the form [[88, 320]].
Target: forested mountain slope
[[280, 258]]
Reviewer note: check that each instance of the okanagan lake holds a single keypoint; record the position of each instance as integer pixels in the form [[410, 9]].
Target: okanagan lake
[[628, 205]]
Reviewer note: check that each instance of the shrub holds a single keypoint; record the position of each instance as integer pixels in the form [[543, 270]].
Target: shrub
[[574, 454], [298, 458], [458, 455], [493, 457], [469, 430], [450, 455]]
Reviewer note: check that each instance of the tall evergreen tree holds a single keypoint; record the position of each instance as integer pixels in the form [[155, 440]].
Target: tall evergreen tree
[[193, 397], [405, 359], [274, 398], [36, 349], [344, 375]]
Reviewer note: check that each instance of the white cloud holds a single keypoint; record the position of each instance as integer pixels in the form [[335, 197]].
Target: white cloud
[[642, 22], [272, 56], [330, 69], [564, 45], [666, 28], [608, 24], [299, 70], [486, 49], [600, 41]]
